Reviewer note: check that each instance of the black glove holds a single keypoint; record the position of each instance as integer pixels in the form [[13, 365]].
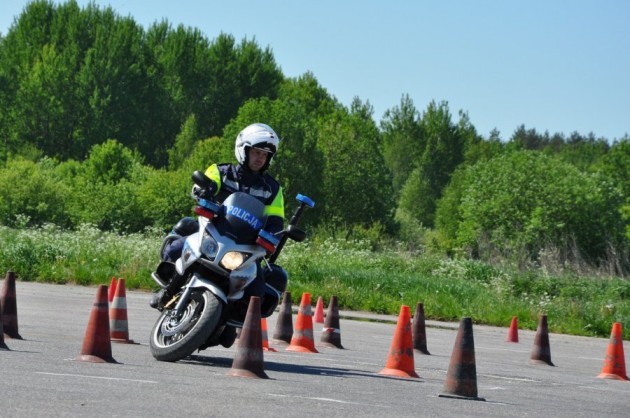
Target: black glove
[[204, 193]]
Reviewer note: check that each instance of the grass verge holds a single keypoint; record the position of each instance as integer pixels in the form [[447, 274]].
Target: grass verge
[[362, 279]]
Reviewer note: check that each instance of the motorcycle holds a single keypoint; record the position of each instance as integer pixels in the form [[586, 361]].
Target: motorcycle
[[219, 261]]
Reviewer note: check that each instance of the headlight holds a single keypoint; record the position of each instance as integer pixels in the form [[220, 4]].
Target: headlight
[[232, 260], [209, 247]]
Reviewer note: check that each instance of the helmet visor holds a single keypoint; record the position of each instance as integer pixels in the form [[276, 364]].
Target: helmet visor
[[265, 146]]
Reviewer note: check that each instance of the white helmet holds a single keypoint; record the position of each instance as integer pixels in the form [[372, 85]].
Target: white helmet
[[256, 135]]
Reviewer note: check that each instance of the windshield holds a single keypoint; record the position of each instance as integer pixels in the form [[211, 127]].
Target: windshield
[[242, 217]]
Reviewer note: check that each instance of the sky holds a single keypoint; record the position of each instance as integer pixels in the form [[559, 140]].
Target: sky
[[560, 66]]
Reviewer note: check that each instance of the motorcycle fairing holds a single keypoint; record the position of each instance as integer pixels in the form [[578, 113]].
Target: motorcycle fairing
[[240, 277]]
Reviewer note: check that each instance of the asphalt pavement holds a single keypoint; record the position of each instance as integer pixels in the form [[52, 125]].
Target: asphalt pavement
[[41, 376]]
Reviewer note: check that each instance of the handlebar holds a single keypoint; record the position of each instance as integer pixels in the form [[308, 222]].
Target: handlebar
[[207, 188], [304, 202]]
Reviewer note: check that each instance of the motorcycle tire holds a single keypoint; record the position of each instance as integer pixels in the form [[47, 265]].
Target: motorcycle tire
[[173, 338]]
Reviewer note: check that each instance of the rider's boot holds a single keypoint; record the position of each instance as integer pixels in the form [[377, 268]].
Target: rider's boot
[[228, 336], [162, 297]]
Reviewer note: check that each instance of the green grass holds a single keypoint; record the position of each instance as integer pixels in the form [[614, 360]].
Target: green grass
[[87, 256], [362, 279]]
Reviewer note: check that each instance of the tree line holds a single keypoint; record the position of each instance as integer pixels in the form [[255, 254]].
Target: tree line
[[103, 122]]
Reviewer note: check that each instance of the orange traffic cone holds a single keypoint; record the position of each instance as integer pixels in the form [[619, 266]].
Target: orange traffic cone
[[318, 317], [111, 290], [284, 325], [302, 339], [3, 346], [265, 341], [400, 361], [541, 353], [513, 332], [615, 362], [97, 346], [461, 378], [118, 326], [9, 307], [248, 360], [419, 330], [331, 334]]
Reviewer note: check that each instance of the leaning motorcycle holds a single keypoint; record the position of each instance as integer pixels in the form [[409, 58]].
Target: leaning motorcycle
[[219, 261]]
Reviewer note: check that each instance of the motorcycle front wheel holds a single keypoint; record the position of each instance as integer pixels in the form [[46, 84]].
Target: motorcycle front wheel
[[174, 338]]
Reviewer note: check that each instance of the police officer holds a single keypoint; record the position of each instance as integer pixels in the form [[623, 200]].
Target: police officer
[[255, 148]]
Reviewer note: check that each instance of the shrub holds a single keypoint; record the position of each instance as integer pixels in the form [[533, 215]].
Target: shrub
[[165, 197], [524, 202], [31, 190]]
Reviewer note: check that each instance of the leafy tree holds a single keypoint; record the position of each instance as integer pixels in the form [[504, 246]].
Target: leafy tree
[[444, 149], [259, 74], [110, 162], [164, 197], [581, 151], [180, 60], [356, 182], [114, 86], [35, 82], [526, 139], [415, 200], [108, 206], [239, 72], [184, 143], [522, 203], [403, 141], [448, 213], [43, 93], [306, 92], [616, 165], [74, 77], [484, 149], [32, 190], [625, 215], [105, 189], [208, 151], [469, 138], [77, 77]]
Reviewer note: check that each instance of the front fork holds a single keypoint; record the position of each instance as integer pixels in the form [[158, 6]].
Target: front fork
[[196, 283]]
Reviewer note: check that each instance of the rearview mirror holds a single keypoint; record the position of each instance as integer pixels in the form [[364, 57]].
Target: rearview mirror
[[202, 180], [295, 233]]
